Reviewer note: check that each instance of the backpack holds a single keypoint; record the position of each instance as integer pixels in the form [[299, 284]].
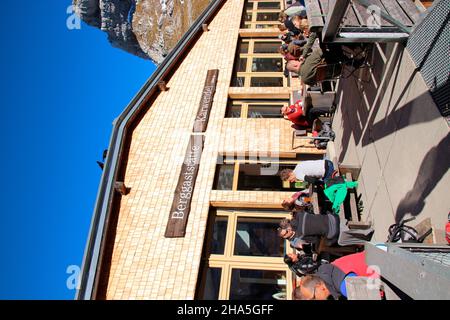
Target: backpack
[[326, 132]]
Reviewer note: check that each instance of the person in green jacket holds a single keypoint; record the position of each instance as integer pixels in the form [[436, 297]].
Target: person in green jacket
[[336, 191]]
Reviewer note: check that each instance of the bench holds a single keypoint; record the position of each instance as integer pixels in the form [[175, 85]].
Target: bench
[[352, 215]]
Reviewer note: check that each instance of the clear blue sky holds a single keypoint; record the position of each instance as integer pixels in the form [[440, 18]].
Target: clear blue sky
[[60, 92]]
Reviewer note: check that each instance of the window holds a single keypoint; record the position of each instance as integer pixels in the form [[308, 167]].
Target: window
[[212, 284], [266, 82], [251, 264], [266, 46], [219, 233], [255, 109], [251, 284], [256, 12], [262, 175], [258, 64], [267, 64], [269, 5], [256, 237]]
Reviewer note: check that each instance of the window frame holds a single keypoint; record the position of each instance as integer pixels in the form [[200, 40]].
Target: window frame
[[245, 104], [228, 261], [248, 74]]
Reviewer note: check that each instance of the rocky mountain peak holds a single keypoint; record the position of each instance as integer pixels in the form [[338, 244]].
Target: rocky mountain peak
[[146, 28]]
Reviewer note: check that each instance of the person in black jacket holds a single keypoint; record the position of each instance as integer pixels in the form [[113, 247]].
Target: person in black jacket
[[309, 228], [301, 264]]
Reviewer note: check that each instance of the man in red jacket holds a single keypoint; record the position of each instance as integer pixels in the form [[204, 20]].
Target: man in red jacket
[[329, 281], [296, 114]]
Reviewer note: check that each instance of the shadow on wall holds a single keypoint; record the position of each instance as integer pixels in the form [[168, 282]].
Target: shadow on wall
[[433, 167]]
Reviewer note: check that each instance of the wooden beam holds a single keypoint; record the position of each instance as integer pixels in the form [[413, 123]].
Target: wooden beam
[[423, 227], [396, 11], [353, 169], [350, 18], [242, 204], [314, 15], [258, 93], [336, 12], [162, 85], [411, 9], [121, 188], [259, 33]]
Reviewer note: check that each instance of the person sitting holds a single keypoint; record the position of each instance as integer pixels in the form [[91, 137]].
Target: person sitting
[[293, 25], [299, 201], [310, 171], [295, 114], [329, 58], [283, 50], [295, 47], [300, 263], [307, 228], [329, 280]]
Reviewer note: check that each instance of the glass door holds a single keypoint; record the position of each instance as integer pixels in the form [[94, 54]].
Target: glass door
[[243, 257]]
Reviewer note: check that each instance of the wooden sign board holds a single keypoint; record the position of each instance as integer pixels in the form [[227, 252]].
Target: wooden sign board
[[181, 206], [201, 121]]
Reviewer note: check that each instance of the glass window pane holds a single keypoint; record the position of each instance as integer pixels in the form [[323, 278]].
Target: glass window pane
[[219, 235], [266, 26], [266, 111], [257, 237], [266, 82], [248, 16], [243, 47], [264, 177], [224, 177], [267, 65], [257, 284], [268, 5], [267, 16], [249, 5], [233, 111], [259, 177], [266, 47], [242, 64], [212, 284], [238, 82]]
